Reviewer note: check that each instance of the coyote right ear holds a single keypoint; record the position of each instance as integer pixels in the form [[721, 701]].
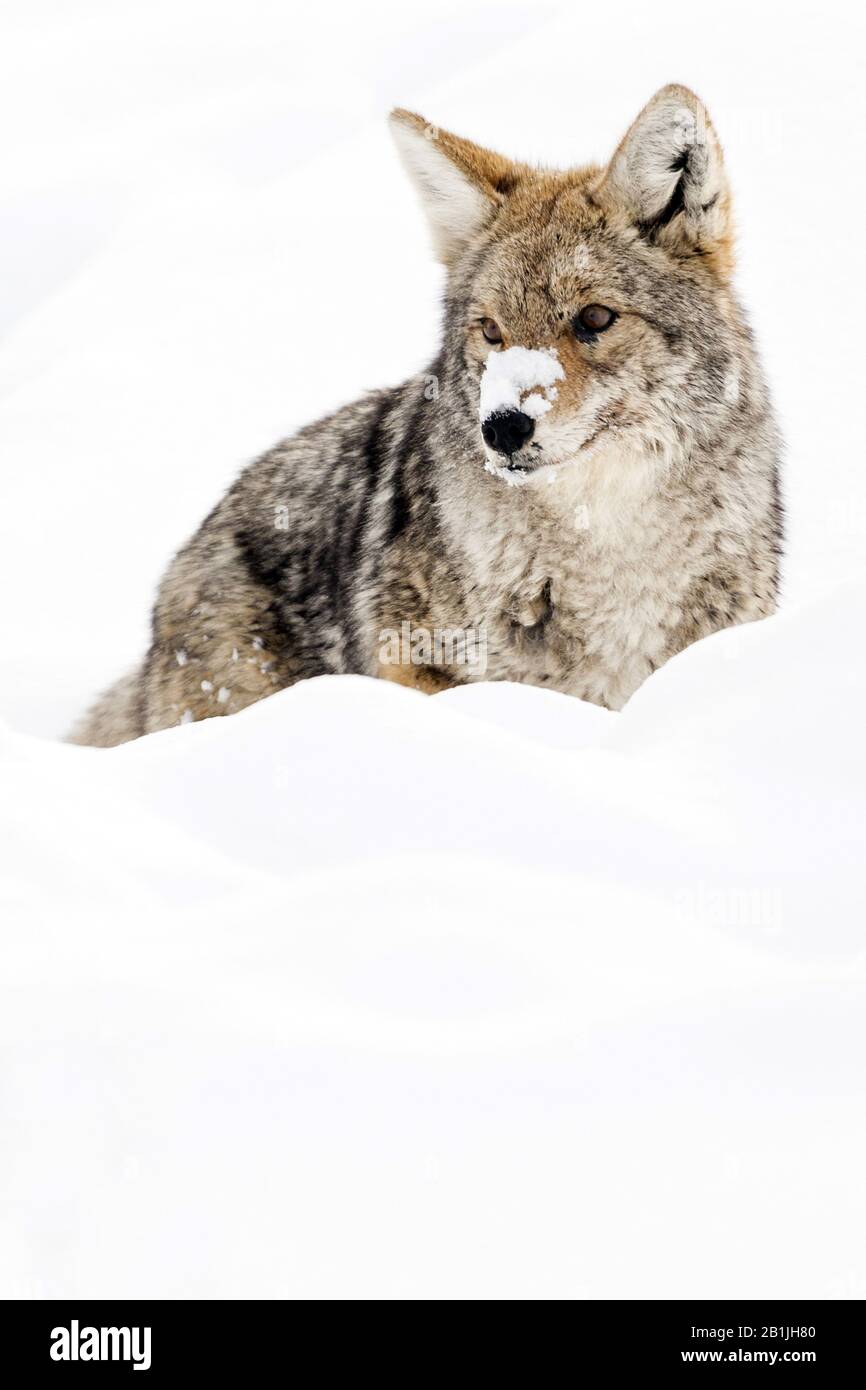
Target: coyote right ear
[[460, 184]]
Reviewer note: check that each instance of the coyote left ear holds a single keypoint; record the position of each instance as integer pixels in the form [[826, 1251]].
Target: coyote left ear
[[668, 175], [460, 184]]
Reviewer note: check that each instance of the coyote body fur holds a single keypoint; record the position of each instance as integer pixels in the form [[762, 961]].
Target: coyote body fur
[[645, 507]]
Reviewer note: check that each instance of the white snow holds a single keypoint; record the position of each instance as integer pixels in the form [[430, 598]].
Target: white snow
[[357, 992], [364, 992], [510, 378]]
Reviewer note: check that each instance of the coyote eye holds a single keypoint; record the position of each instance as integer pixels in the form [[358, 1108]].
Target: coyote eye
[[491, 330], [595, 318]]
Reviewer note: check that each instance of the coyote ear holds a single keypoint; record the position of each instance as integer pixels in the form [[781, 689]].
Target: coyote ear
[[460, 184], [668, 175]]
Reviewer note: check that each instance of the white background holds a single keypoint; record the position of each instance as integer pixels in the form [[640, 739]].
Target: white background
[[358, 992]]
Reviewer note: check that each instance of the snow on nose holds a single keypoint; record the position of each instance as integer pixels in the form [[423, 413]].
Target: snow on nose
[[519, 381]]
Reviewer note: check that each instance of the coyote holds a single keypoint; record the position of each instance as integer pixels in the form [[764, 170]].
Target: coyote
[[587, 472]]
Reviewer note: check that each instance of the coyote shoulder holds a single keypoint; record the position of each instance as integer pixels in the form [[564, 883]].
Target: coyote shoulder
[[586, 473]]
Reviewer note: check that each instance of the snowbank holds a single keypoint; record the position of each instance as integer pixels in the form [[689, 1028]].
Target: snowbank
[[363, 993]]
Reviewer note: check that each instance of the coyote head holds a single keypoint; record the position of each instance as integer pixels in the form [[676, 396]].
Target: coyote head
[[588, 312]]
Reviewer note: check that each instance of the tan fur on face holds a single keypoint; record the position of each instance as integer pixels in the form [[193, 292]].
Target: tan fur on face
[[558, 246]]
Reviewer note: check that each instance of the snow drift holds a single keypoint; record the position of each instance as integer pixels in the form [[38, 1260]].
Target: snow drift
[[363, 993]]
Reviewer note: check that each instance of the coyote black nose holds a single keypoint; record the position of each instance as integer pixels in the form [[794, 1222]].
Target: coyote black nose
[[507, 430]]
